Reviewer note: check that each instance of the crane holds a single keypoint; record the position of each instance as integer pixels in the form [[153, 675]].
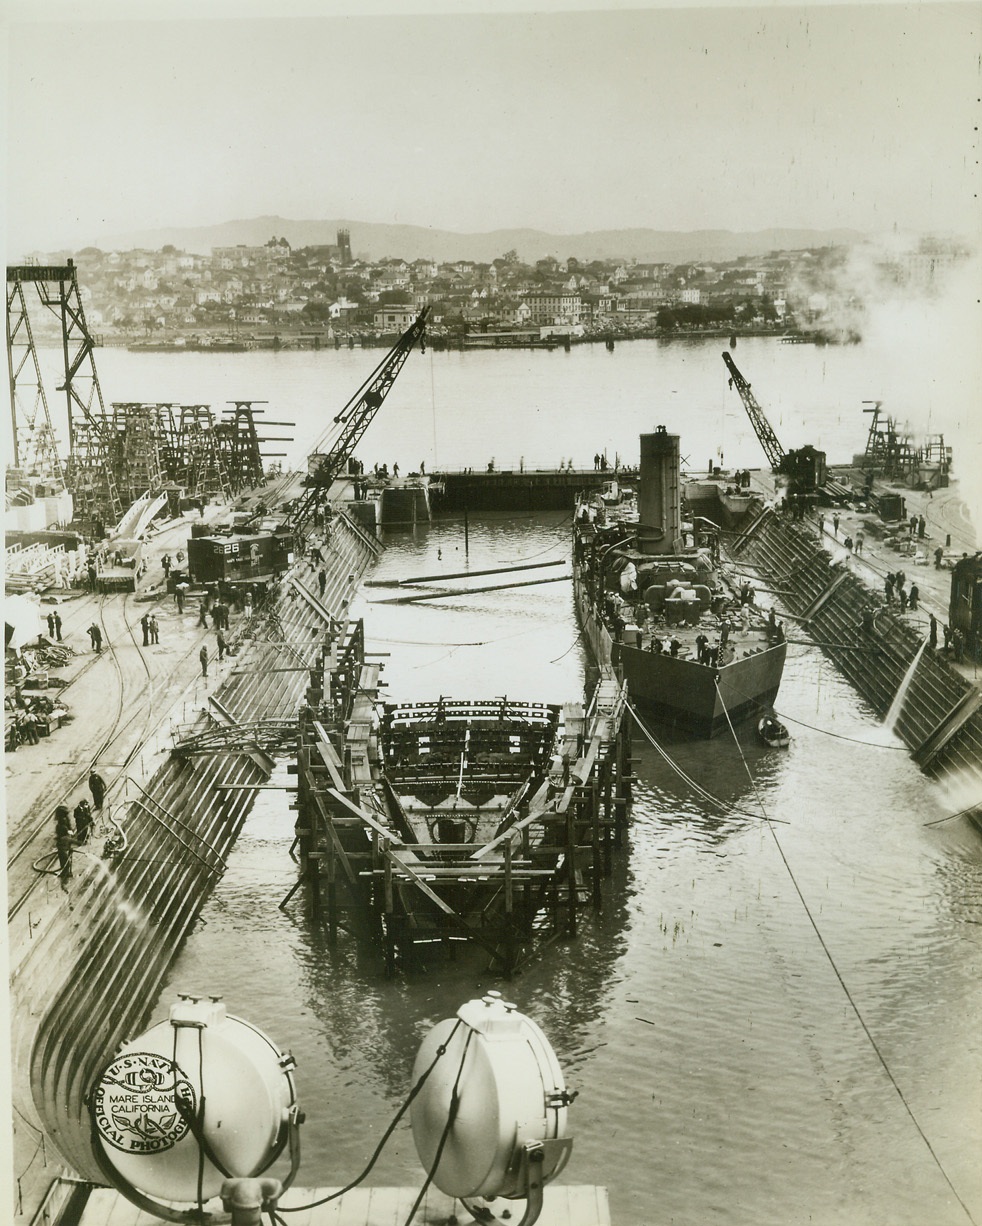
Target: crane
[[805, 466], [762, 427], [354, 419]]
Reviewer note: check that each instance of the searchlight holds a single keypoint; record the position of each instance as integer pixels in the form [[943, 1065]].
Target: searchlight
[[203, 1104], [196, 1101], [490, 1119]]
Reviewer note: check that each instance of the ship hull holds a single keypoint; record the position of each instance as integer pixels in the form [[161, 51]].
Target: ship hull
[[689, 696]]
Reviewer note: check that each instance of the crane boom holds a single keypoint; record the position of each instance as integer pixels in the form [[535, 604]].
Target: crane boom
[[355, 418], [762, 427]]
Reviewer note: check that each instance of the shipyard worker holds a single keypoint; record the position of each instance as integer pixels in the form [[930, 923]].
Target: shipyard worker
[[57, 621], [901, 579], [179, 593], [957, 644], [701, 645], [848, 543], [50, 619], [27, 728], [835, 522], [322, 580], [780, 634], [902, 597], [673, 647], [97, 786], [154, 629], [203, 657], [914, 597], [95, 634], [938, 555], [83, 821], [921, 527], [912, 525], [203, 611], [93, 576], [165, 563], [868, 624], [859, 541], [888, 583], [222, 645], [64, 843], [656, 644], [145, 627], [946, 631]]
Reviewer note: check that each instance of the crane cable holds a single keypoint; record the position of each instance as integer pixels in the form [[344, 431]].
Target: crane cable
[[838, 973]]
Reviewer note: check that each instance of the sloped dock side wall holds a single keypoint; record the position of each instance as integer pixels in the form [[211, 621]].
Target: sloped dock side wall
[[90, 982], [796, 564]]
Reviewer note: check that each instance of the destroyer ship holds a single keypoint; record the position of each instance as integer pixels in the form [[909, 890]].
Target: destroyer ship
[[653, 604]]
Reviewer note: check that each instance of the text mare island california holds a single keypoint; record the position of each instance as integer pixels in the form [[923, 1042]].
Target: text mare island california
[[474, 770]]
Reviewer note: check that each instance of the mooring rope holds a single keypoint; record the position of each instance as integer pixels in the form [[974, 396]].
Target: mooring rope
[[696, 787], [839, 736], [842, 982]]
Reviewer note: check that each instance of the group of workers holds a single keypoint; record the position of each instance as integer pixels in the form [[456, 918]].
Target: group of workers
[[73, 829]]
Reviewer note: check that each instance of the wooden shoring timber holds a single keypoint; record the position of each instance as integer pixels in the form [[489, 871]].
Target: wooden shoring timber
[[314, 603], [242, 736], [519, 871], [223, 716]]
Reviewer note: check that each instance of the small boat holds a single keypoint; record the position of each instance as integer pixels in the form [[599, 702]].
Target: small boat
[[773, 733]]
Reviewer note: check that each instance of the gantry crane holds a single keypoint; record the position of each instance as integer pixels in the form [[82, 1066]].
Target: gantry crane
[[762, 427], [354, 420]]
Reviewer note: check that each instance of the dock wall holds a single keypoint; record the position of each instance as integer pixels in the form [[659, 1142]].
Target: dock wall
[[89, 980], [941, 719]]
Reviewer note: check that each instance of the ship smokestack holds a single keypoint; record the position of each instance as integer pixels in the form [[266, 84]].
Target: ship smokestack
[[659, 498]]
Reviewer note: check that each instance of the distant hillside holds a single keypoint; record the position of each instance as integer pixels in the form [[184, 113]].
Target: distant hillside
[[375, 241]]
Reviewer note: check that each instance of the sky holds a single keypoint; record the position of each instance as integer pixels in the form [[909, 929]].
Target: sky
[[557, 117]]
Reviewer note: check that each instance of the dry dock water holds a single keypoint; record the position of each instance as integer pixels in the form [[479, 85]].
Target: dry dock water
[[69, 949]]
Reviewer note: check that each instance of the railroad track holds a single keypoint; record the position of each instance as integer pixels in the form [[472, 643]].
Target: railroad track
[[122, 721]]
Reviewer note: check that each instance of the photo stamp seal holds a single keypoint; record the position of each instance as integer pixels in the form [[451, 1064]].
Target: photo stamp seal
[[142, 1103]]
